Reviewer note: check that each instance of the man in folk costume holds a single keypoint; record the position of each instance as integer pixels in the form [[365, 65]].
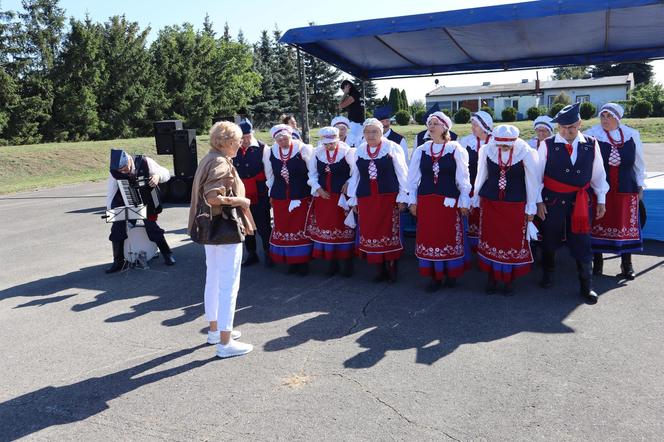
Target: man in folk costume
[[126, 167], [570, 165], [329, 173], [423, 136], [438, 192], [377, 191], [619, 231], [481, 125], [507, 185], [342, 124], [543, 129], [383, 115], [286, 171], [249, 164]]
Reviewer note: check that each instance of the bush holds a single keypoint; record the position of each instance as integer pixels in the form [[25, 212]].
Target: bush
[[563, 99], [555, 109], [419, 116], [462, 116], [587, 110], [533, 112], [447, 112], [402, 117], [509, 114], [489, 111], [641, 109]]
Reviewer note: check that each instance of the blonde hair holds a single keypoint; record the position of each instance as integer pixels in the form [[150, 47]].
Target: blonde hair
[[222, 133]]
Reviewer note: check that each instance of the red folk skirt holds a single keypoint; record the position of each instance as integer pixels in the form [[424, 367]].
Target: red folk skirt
[[325, 227], [619, 230], [503, 248], [289, 242], [379, 228], [439, 230]]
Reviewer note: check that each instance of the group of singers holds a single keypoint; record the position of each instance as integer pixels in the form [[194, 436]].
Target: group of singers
[[489, 193]]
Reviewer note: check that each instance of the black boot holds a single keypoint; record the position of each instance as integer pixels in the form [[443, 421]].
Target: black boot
[[303, 270], [392, 271], [293, 268], [166, 252], [598, 264], [119, 262], [586, 281], [491, 285], [268, 260], [333, 268], [450, 282], [348, 268], [433, 285], [382, 272], [548, 264], [251, 259], [626, 268], [508, 289]]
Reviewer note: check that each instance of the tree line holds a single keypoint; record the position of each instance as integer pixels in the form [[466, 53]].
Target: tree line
[[71, 80]]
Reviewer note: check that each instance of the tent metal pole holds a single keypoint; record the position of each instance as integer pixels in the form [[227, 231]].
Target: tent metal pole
[[304, 103]]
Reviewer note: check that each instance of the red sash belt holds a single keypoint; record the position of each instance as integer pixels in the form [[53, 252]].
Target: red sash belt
[[580, 221], [250, 187]]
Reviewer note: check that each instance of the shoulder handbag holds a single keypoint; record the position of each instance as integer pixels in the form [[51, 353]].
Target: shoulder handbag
[[225, 228]]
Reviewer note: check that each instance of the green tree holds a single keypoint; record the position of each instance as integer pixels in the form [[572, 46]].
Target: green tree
[[265, 106], [286, 80], [404, 100], [370, 91], [570, 72], [395, 99], [9, 88], [322, 86], [643, 72]]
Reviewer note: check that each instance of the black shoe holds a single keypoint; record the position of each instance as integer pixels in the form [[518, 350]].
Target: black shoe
[[382, 273], [119, 262], [268, 260], [391, 272], [450, 282], [293, 268], [433, 286], [333, 268], [303, 270], [547, 280], [598, 264], [169, 259], [586, 282], [166, 252], [548, 264], [349, 268], [626, 268], [251, 260], [508, 289], [491, 287]]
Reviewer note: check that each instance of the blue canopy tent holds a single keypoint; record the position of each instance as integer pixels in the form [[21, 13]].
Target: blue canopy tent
[[528, 35]]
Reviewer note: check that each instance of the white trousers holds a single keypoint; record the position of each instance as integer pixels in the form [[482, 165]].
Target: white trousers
[[355, 134], [222, 282]]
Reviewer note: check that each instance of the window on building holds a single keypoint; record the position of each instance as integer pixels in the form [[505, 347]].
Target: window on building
[[549, 100], [582, 98], [511, 103]]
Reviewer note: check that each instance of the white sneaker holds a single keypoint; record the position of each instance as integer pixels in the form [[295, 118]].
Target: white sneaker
[[233, 348], [214, 337]]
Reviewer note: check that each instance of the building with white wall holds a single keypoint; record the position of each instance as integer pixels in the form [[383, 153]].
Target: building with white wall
[[531, 93]]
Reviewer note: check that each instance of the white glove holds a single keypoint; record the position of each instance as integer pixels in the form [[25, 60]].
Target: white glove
[[294, 204], [350, 220], [449, 202], [531, 232]]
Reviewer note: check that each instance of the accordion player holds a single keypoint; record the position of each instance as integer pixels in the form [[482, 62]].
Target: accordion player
[[133, 181]]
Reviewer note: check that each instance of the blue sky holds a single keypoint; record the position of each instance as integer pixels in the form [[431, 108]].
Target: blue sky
[[252, 16]]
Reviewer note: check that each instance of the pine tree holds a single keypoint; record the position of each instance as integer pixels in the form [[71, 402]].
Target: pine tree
[[322, 85], [286, 81], [643, 71], [395, 100], [370, 93], [264, 108], [9, 88], [404, 100], [78, 80], [570, 72]]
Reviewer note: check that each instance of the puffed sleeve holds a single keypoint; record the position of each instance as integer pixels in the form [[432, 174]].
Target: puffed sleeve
[[639, 162], [598, 180], [404, 145], [401, 170], [354, 180], [414, 175], [481, 176], [541, 158], [156, 169], [312, 168], [533, 182], [267, 165], [462, 176]]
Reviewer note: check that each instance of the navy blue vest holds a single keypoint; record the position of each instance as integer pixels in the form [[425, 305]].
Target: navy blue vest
[[393, 136], [626, 176], [387, 177], [446, 185], [297, 178], [560, 168], [515, 190], [250, 164], [142, 169], [340, 172], [473, 157]]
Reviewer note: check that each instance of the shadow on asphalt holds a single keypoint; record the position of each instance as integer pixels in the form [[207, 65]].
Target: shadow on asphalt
[[50, 406]]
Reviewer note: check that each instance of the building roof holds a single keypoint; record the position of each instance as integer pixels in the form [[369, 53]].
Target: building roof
[[503, 37], [520, 88]]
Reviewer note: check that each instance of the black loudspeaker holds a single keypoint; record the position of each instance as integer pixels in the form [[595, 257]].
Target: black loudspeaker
[[217, 119], [179, 189], [185, 156], [163, 135]]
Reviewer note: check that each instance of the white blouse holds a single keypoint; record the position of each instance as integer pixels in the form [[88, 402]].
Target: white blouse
[[345, 153], [471, 141], [521, 152], [298, 146], [628, 132], [461, 177], [598, 178], [398, 160]]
